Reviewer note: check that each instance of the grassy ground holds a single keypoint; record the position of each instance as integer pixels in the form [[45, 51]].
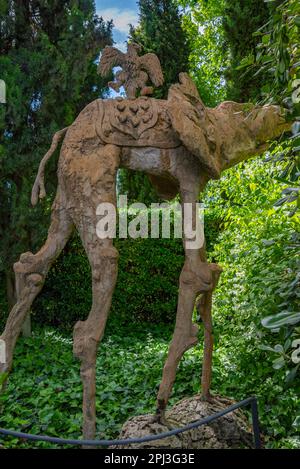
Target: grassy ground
[[44, 390]]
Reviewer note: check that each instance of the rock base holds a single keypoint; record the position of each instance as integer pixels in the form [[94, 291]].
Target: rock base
[[230, 431]]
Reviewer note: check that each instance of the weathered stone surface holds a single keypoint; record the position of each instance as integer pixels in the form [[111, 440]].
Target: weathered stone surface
[[146, 139], [231, 431], [142, 122], [223, 136]]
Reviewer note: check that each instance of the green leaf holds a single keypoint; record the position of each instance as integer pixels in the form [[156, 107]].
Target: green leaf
[[282, 66], [296, 422], [266, 58], [278, 348], [278, 363], [291, 375], [285, 318], [266, 348], [266, 38], [245, 62], [268, 242]]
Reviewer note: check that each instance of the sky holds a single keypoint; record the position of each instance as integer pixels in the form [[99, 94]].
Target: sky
[[122, 13]]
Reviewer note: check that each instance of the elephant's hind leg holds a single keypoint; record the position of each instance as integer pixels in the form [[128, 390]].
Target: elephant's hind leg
[[204, 307], [30, 273], [196, 278]]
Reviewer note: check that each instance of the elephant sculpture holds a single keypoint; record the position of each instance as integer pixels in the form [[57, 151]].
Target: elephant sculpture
[[181, 145]]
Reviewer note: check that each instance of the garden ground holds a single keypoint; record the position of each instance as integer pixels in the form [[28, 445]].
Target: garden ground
[[44, 391]]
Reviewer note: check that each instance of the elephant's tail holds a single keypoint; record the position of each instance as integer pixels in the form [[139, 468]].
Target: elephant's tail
[[38, 190]]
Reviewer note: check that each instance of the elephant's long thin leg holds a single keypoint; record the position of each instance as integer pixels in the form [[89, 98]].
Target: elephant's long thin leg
[[195, 278], [30, 272], [87, 334], [204, 307], [98, 186]]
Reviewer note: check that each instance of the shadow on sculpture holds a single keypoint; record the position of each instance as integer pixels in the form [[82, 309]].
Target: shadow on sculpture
[[181, 145]]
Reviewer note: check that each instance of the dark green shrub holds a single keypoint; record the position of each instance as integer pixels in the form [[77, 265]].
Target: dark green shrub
[[3, 302], [147, 286], [146, 290]]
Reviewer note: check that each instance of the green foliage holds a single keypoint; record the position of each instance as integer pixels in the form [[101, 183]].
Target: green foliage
[[277, 63], [257, 247], [44, 392], [240, 20], [202, 22], [278, 53], [280, 45], [136, 186]]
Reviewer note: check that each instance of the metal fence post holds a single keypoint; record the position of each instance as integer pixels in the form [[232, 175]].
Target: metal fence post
[[255, 423]]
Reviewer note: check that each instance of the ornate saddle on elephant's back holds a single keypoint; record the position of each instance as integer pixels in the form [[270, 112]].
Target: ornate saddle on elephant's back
[[136, 122]]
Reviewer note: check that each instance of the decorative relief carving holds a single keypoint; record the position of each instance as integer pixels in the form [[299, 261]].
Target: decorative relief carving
[[138, 123]]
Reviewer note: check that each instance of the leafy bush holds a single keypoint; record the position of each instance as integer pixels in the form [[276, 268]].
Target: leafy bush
[[278, 57], [257, 248], [44, 392], [146, 290]]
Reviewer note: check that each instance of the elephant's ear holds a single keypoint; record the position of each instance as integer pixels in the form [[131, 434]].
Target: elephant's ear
[[190, 121]]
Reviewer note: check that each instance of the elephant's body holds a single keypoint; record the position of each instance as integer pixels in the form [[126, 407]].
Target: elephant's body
[[164, 162]]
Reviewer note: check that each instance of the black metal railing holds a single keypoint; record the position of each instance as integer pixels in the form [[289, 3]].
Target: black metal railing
[[64, 441]]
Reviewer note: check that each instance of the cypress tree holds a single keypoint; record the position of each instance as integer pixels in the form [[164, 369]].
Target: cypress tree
[[48, 52], [240, 20], [160, 31]]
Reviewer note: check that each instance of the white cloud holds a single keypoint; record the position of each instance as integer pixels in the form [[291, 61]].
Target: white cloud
[[121, 18], [121, 46]]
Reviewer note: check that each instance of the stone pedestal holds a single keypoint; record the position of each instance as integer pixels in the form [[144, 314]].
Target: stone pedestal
[[231, 431]]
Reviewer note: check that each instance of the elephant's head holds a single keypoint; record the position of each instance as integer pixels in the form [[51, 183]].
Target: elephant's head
[[223, 136]]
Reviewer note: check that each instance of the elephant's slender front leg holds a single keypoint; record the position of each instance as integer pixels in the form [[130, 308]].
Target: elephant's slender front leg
[[97, 194], [195, 278], [88, 333]]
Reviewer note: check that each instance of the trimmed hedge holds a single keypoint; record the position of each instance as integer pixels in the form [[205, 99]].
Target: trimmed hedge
[[146, 290]]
